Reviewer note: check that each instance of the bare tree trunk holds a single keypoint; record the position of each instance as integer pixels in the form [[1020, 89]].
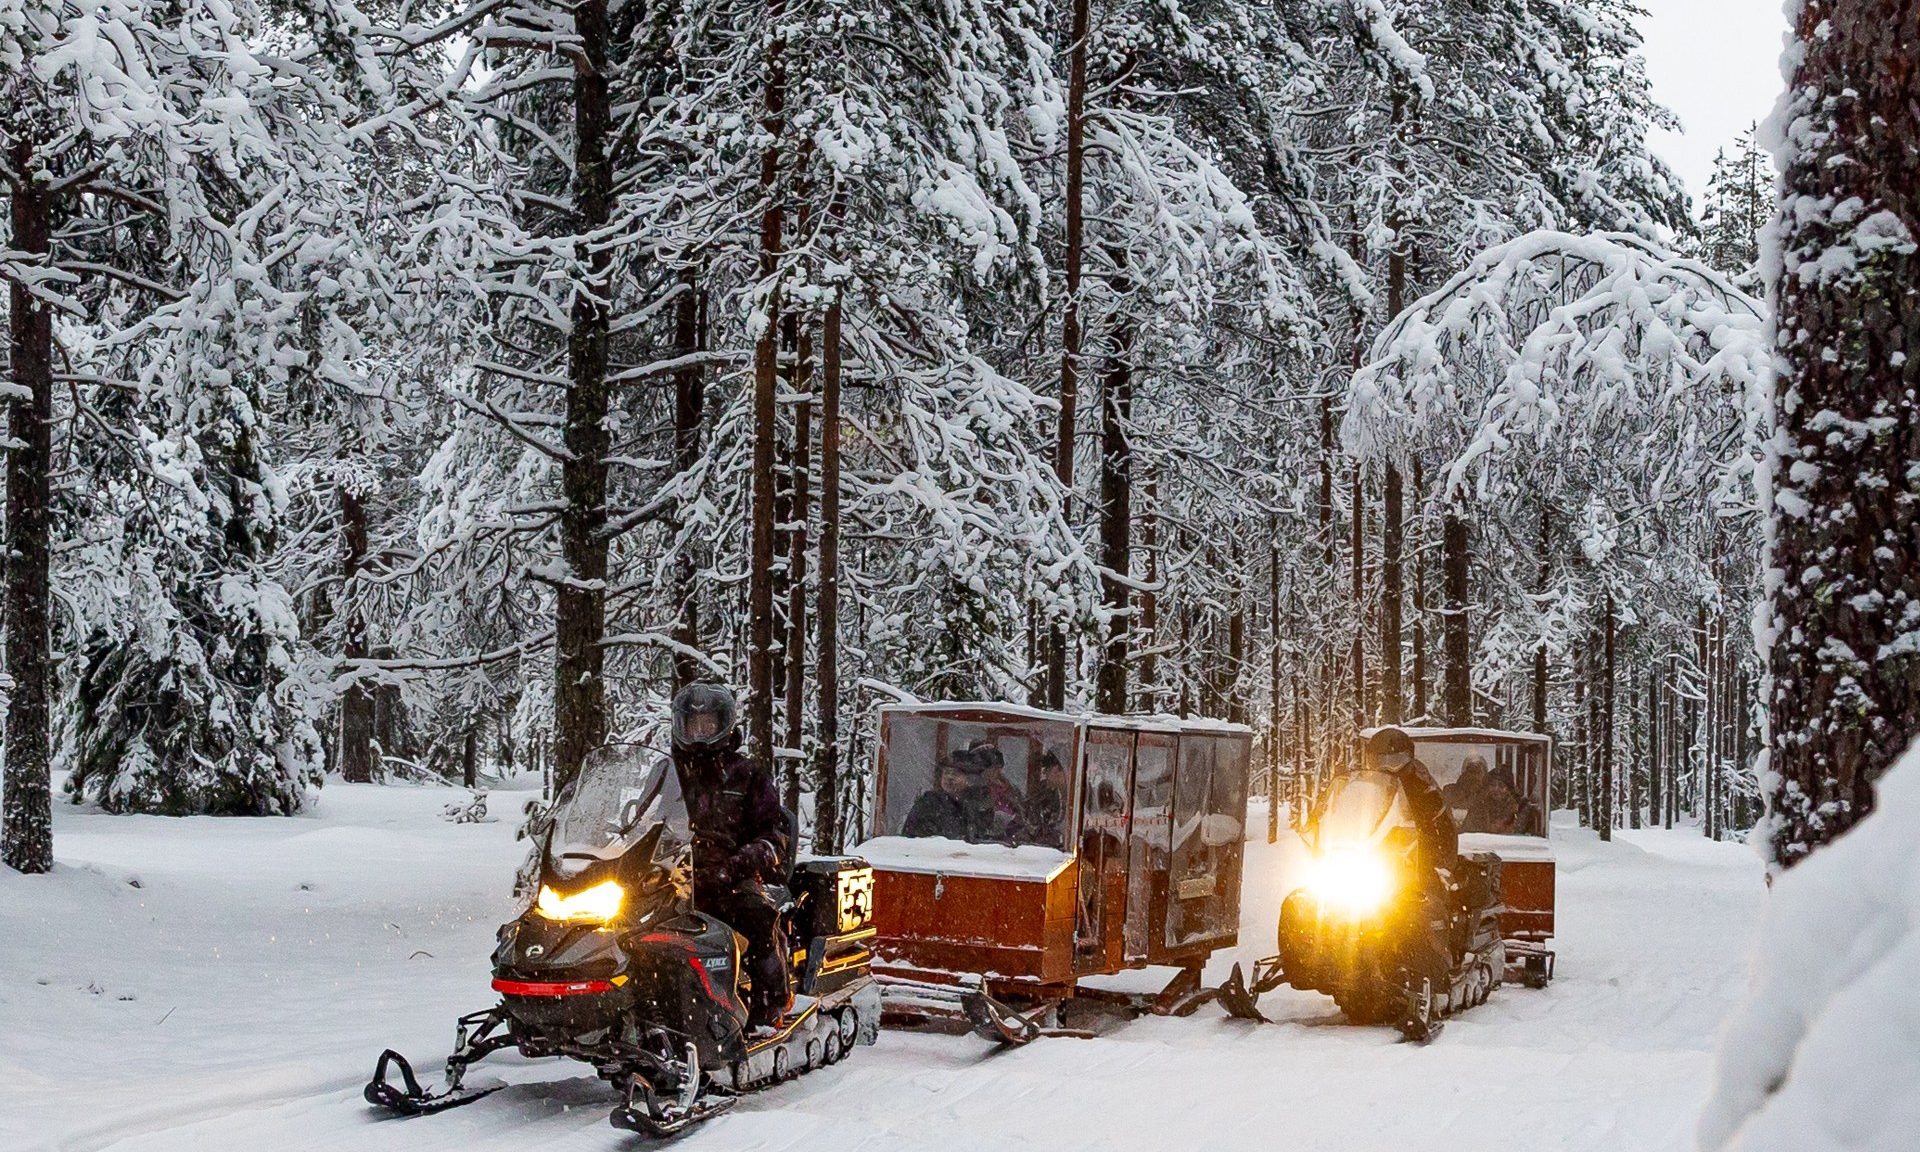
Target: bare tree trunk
[[1637, 762], [579, 688], [1392, 592], [1273, 680], [1673, 740], [1459, 649], [797, 581], [1419, 596], [356, 703], [26, 841], [766, 417], [1540, 652], [1655, 740], [1361, 704], [1236, 698], [1577, 786], [1606, 725], [689, 411], [1149, 630], [1846, 680], [1070, 330], [1711, 724], [826, 783], [1303, 754], [470, 757], [1116, 519]]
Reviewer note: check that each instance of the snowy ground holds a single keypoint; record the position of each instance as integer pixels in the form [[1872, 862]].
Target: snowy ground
[[211, 984]]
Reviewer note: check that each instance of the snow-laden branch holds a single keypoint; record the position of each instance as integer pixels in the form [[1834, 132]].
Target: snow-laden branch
[[1550, 343]]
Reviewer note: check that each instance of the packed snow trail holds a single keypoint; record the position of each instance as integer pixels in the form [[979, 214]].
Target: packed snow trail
[[238, 996]]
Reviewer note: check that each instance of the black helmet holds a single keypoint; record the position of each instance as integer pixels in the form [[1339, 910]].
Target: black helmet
[[704, 716], [1390, 748]]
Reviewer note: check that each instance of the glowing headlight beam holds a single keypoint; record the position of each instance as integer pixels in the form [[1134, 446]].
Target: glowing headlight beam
[[599, 903], [1355, 882]]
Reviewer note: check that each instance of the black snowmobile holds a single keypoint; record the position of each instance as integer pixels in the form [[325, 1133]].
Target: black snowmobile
[[1367, 927], [609, 963]]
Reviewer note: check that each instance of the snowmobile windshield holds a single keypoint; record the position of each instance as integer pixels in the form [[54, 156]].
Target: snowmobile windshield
[[624, 793], [1361, 808]]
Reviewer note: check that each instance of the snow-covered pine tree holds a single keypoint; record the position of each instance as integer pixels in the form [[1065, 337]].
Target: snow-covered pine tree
[[1844, 264], [163, 147], [1737, 205]]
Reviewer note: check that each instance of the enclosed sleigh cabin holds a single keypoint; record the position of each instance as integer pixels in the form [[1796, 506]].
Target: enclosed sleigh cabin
[[1023, 850], [1496, 784]]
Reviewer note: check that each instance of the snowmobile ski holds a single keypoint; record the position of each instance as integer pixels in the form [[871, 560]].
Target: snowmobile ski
[[1002, 1024], [1240, 1002], [643, 1110], [410, 1098], [993, 1020], [1424, 1018]]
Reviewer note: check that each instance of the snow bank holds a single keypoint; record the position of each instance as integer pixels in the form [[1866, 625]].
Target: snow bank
[[1822, 1056]]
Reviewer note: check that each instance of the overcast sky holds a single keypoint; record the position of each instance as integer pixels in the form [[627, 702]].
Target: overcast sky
[[1716, 63]]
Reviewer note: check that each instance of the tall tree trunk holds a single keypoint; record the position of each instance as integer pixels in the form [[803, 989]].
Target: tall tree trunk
[[766, 417], [1636, 755], [1654, 741], [1846, 679], [1274, 724], [1149, 630], [1362, 709], [470, 756], [579, 688], [1393, 522], [1540, 650], [1673, 741], [797, 579], [1458, 645], [356, 703], [1070, 328], [1235, 694], [689, 412], [826, 782], [26, 840], [1116, 519], [1606, 724], [1419, 599], [1392, 592], [1580, 796]]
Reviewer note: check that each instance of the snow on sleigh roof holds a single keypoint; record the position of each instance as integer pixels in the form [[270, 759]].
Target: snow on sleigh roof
[[937, 855], [1141, 721], [1507, 846], [1461, 734]]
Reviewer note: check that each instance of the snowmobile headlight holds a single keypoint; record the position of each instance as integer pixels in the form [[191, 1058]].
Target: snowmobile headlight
[[597, 904], [1353, 881]]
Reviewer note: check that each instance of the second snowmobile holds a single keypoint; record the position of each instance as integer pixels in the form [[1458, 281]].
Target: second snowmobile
[[1390, 941], [609, 963]]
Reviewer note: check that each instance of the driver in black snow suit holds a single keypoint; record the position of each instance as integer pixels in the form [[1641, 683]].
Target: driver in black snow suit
[[1430, 953], [740, 838]]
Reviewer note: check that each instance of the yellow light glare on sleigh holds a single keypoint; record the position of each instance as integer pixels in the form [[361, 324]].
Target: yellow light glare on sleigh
[[597, 904], [1351, 881]]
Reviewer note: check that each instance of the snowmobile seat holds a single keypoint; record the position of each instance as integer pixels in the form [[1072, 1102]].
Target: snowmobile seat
[[1479, 880]]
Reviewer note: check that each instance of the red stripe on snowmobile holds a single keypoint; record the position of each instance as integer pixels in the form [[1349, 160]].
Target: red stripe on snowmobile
[[540, 988]]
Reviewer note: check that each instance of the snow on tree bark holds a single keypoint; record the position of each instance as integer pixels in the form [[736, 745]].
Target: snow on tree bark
[[26, 843], [766, 365], [579, 665], [1845, 552]]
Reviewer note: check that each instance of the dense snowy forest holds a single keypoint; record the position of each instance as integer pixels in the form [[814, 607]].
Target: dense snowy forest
[[416, 389], [405, 399], [437, 384]]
